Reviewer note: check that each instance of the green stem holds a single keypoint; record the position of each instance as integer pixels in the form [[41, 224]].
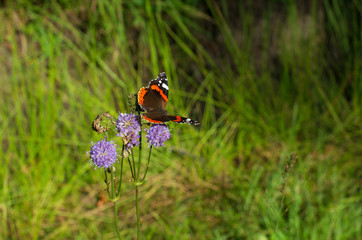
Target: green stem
[[137, 174], [138, 215], [116, 220], [130, 165], [134, 167], [148, 163], [139, 158], [106, 181], [114, 200], [112, 184], [138, 180], [120, 178]]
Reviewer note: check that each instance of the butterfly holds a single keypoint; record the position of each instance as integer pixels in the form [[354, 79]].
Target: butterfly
[[153, 100]]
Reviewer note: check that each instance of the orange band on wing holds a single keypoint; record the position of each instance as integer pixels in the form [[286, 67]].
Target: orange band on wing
[[178, 119], [141, 95], [155, 87], [150, 120]]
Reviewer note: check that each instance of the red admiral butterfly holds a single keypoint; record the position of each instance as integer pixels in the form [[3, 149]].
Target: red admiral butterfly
[[153, 100]]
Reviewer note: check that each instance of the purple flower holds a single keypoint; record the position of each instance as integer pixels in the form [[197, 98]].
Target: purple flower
[[157, 135], [103, 154], [128, 127]]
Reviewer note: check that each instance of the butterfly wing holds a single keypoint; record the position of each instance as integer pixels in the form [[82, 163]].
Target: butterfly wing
[[179, 119], [160, 117], [161, 85], [155, 96]]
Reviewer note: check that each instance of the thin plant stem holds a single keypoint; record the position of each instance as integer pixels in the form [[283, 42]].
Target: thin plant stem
[[139, 158], [106, 181], [116, 220], [138, 179], [134, 167], [137, 190], [148, 163], [112, 184], [138, 214], [114, 200], [120, 178], [130, 165]]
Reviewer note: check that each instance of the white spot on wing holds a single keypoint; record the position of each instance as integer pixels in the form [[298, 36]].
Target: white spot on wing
[[165, 86]]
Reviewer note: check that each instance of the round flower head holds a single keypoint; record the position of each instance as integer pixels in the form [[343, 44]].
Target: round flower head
[[128, 127], [157, 135], [103, 154]]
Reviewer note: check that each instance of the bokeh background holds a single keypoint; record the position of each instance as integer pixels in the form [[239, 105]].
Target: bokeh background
[[275, 84]]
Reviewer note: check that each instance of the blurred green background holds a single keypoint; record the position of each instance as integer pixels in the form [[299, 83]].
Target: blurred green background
[[266, 79]]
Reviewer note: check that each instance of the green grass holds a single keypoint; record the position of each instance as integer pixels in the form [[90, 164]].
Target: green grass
[[265, 80]]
